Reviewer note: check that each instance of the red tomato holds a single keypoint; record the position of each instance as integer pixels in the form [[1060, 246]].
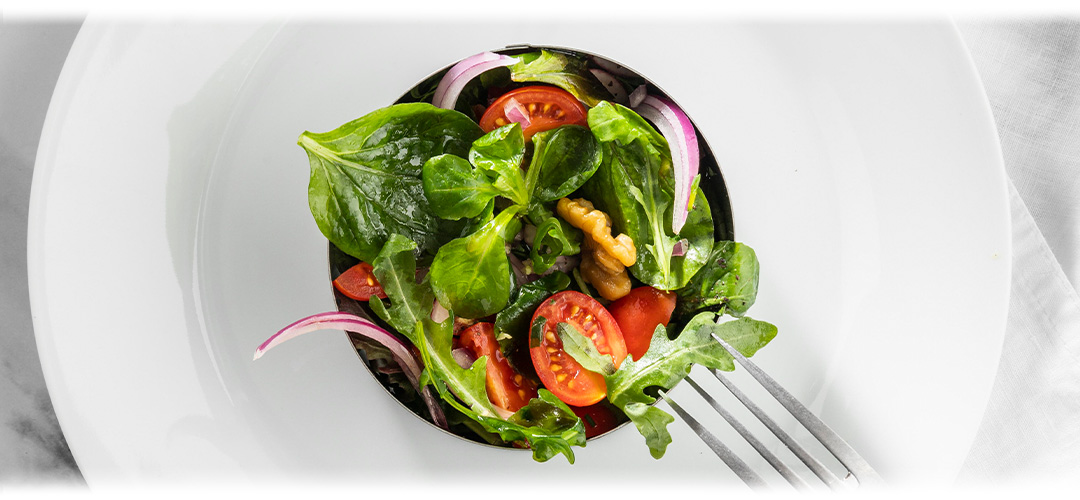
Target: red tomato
[[598, 418], [559, 372], [638, 313], [506, 388], [546, 107], [359, 283]]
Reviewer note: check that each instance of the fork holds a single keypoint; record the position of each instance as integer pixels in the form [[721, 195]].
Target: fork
[[856, 466]]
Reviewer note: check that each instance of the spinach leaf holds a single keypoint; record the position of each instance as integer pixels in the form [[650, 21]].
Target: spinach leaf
[[500, 153], [470, 274], [365, 175], [410, 302], [729, 280], [563, 159], [562, 70], [582, 349], [634, 185], [454, 188], [668, 361], [512, 323]]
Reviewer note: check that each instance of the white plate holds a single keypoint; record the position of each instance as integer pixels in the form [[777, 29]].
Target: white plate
[[170, 235]]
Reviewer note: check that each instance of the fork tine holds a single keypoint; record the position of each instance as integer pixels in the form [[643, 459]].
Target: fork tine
[[812, 463], [740, 468], [773, 460], [830, 439]]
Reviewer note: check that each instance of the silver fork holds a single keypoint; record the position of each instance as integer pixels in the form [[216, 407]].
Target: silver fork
[[857, 467]]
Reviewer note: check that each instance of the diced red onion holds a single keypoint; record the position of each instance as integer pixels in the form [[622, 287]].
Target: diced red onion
[[564, 263], [638, 95], [438, 312], [464, 357], [612, 84], [679, 132], [360, 326], [612, 68], [680, 248], [446, 94], [517, 113]]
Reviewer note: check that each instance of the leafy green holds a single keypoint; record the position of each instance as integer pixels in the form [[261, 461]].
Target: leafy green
[[563, 159], [410, 302], [582, 349], [634, 185], [552, 240], [365, 175], [562, 70], [729, 281], [500, 153], [470, 274], [455, 189], [546, 423], [668, 361], [512, 323]]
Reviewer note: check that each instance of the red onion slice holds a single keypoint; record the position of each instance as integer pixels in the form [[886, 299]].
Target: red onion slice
[[446, 94], [680, 248], [464, 357], [612, 84], [612, 68], [682, 140], [360, 326], [638, 95]]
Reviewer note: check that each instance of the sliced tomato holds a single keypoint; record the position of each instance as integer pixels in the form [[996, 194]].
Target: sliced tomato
[[506, 388], [560, 373], [545, 107], [638, 313], [358, 282], [598, 418]]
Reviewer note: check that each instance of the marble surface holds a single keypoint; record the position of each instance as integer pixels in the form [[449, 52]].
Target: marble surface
[[32, 446]]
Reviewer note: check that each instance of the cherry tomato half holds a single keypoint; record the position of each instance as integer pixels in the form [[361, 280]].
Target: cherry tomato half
[[560, 373], [506, 388], [546, 108], [358, 282], [638, 313]]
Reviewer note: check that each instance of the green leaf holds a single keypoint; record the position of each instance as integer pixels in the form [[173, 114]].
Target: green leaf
[[563, 159], [512, 323], [582, 349], [554, 237], [500, 153], [410, 302], [562, 70], [634, 185], [455, 189], [668, 361], [365, 176], [470, 274], [729, 280]]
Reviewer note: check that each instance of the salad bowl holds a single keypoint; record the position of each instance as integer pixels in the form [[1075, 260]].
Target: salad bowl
[[861, 164]]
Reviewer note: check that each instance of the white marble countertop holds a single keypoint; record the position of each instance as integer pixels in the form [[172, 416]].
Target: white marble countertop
[[1020, 61]]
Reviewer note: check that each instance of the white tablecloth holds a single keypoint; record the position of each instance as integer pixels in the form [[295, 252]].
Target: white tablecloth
[[1031, 430]]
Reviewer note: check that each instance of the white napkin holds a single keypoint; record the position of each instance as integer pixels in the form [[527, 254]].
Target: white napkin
[[1031, 429]]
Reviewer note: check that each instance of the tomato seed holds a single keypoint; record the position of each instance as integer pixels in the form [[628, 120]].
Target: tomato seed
[[555, 367]]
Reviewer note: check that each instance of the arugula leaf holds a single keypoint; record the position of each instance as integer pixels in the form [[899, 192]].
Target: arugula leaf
[[634, 185], [365, 175], [668, 361], [552, 240], [582, 349], [410, 302], [562, 70], [500, 153], [512, 323], [454, 188], [728, 281], [563, 159], [470, 274]]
